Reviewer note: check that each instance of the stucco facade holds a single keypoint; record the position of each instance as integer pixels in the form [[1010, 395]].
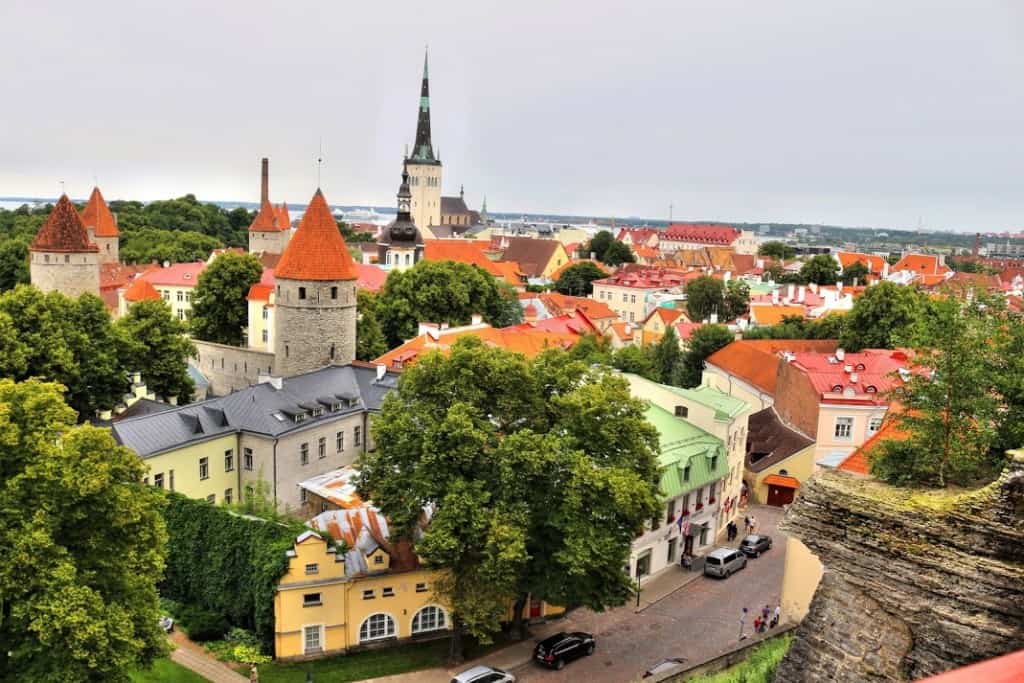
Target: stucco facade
[[425, 188], [802, 574], [208, 470], [72, 274], [315, 324], [629, 303]]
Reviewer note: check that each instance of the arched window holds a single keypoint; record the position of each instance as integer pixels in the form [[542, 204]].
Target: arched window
[[430, 618], [377, 627]]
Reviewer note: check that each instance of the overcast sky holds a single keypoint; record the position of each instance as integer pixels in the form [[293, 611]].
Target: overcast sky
[[868, 112]]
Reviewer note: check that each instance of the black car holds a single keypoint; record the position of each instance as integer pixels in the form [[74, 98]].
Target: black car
[[556, 651], [755, 544]]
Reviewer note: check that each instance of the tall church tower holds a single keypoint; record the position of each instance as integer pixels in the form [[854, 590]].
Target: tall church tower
[[101, 226], [315, 302], [61, 257], [424, 168]]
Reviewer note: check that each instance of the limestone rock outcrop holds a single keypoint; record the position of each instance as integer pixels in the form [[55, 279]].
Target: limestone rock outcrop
[[916, 582]]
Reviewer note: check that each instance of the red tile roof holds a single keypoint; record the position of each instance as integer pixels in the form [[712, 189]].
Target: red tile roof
[[874, 264], [96, 215], [623, 331], [317, 251], [773, 315], [141, 290], [666, 315], [284, 220], [63, 230], [117, 275], [701, 233], [859, 462], [518, 339], [471, 252], [371, 278], [175, 275], [636, 235], [648, 278], [922, 264], [1006, 669], [570, 323], [266, 219], [756, 361], [871, 375], [558, 304], [260, 292], [685, 330]]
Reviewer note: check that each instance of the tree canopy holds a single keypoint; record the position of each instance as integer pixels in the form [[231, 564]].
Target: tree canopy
[[157, 345], [707, 295], [220, 309], [370, 341], [83, 546], [618, 253], [885, 316], [576, 279], [668, 357], [855, 273], [780, 251], [821, 269], [441, 292], [703, 342], [176, 246], [518, 459]]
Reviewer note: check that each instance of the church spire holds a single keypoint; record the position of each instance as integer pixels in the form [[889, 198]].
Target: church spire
[[423, 150]]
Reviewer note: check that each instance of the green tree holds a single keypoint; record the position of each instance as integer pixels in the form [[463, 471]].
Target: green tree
[[220, 309], [821, 270], [668, 357], [773, 273], [83, 546], [517, 459], [780, 251], [599, 244], [441, 292], [703, 342], [158, 347], [885, 316], [639, 360], [576, 279], [705, 295], [1010, 385], [737, 299], [618, 253], [508, 311], [150, 244], [855, 272], [13, 262], [370, 342], [950, 403]]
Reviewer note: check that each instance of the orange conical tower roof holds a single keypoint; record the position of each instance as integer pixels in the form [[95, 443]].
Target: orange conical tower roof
[[266, 219], [97, 214], [284, 220], [141, 290], [317, 251], [63, 230]]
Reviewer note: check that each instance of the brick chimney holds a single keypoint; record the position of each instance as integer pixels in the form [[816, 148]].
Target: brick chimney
[[265, 181]]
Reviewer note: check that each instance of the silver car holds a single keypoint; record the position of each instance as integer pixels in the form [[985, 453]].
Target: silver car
[[484, 674], [724, 562]]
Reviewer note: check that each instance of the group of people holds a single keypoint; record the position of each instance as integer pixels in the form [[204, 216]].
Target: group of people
[[732, 531], [768, 618]]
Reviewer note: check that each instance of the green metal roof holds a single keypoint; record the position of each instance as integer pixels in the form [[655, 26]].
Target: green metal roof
[[682, 445], [762, 287], [726, 407]]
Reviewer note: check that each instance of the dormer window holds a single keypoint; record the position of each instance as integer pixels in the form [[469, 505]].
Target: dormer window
[[872, 389], [838, 388], [860, 367], [299, 417]]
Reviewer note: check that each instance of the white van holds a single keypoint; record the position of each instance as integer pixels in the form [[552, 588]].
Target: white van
[[724, 562]]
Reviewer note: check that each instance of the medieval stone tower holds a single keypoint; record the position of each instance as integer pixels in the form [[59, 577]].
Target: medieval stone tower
[[315, 298], [101, 227], [271, 228], [61, 257], [424, 168]]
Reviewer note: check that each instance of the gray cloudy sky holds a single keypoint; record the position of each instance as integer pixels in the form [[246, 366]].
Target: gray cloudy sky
[[877, 112]]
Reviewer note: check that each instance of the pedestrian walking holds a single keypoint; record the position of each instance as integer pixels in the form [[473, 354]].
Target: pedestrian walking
[[743, 623], [757, 624], [776, 615], [747, 524], [753, 524], [766, 613]]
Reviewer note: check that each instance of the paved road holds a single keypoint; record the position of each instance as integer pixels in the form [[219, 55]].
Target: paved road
[[695, 622]]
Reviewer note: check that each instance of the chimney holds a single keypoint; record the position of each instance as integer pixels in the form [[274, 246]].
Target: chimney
[[381, 371], [840, 354], [790, 291], [265, 181], [476, 319], [801, 294]]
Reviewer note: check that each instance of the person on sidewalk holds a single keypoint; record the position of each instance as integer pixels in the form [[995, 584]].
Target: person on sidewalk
[[747, 525], [776, 615], [743, 623]]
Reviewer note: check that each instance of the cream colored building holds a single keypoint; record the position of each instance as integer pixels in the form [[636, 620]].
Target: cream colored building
[[800, 579]]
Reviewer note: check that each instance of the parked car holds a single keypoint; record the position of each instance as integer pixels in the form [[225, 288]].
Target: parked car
[[724, 562], [555, 652], [755, 544], [484, 674], [664, 666]]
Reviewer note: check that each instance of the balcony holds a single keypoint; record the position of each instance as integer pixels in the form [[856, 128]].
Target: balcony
[[700, 506]]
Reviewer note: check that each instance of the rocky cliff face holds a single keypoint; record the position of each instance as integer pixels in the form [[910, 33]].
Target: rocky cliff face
[[915, 583]]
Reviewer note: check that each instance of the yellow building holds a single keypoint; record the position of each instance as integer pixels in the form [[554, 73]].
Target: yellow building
[[329, 603], [779, 459], [658, 321], [800, 580]]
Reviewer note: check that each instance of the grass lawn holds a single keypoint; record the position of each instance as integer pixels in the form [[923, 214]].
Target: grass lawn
[[166, 671], [758, 667], [372, 663]]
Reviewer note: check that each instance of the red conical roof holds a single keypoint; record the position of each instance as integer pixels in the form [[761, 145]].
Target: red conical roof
[[141, 290], [284, 221], [63, 230], [266, 219], [317, 251], [96, 214]]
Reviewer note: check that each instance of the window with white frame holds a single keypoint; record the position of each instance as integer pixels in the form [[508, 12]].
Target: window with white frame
[[322, 447], [430, 618], [313, 568], [311, 639], [229, 460], [204, 468], [311, 600], [304, 454], [357, 436], [339, 441], [247, 459], [376, 627], [844, 428], [874, 424]]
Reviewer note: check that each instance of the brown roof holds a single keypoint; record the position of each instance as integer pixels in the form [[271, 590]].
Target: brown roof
[[756, 361], [769, 441], [63, 230], [531, 254], [451, 206], [96, 215], [317, 251], [743, 263]]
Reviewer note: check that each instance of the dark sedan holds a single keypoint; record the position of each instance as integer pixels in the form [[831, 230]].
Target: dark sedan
[[755, 544], [561, 648]]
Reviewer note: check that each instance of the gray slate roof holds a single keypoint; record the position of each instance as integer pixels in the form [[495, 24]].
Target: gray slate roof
[[259, 409]]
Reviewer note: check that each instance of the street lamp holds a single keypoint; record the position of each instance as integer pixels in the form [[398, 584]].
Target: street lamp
[[638, 584]]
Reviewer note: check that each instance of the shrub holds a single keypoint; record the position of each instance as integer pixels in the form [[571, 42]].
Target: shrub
[[202, 624]]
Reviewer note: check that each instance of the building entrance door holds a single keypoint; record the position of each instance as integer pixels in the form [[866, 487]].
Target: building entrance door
[[780, 495]]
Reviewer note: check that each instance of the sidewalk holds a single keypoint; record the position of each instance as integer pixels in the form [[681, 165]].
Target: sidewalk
[[192, 656]]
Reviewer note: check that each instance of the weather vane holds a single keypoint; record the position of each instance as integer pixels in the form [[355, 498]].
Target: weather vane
[[319, 161]]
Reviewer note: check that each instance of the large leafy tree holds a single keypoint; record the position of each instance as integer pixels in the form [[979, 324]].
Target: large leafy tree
[[440, 292], [797, 327], [618, 253], [576, 279], [821, 270], [885, 316], [599, 244], [1010, 385], [703, 342], [780, 251], [668, 357], [83, 546], [705, 295], [517, 459], [370, 341], [157, 345], [220, 309], [950, 404], [176, 246], [855, 272], [736, 298]]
